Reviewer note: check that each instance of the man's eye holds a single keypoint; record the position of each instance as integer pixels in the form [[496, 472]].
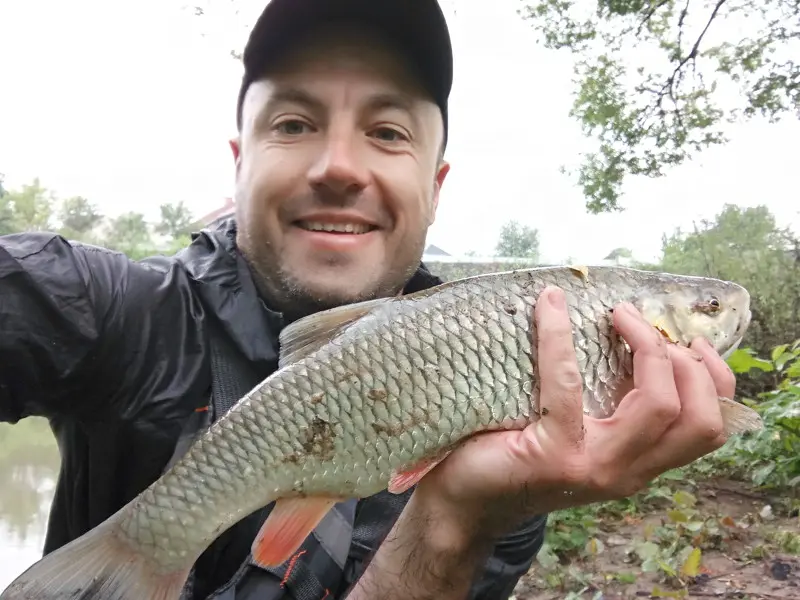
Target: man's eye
[[291, 127], [387, 134]]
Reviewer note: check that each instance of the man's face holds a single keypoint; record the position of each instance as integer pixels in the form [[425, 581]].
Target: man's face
[[338, 173]]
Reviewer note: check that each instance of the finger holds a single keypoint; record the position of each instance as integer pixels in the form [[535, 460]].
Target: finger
[[654, 404], [721, 373], [560, 383], [640, 335], [698, 429]]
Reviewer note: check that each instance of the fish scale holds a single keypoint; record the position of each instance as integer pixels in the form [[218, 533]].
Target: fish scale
[[373, 394]]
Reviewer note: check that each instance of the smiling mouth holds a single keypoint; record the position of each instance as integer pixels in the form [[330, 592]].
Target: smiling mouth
[[346, 228]]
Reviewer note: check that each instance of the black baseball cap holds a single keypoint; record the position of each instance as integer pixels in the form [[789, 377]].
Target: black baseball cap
[[417, 28]]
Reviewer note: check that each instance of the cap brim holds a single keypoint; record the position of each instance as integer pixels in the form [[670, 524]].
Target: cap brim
[[417, 27]]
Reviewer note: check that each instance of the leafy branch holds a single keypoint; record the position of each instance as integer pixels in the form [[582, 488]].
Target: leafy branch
[[655, 115]]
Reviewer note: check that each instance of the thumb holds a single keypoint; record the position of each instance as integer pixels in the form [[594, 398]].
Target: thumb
[[560, 381]]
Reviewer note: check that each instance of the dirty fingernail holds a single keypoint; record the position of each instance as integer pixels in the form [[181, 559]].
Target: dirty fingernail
[[695, 355]]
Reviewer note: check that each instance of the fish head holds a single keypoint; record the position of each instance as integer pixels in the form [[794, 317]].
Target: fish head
[[684, 308]]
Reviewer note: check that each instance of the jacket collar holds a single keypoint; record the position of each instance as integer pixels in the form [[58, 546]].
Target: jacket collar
[[225, 285]]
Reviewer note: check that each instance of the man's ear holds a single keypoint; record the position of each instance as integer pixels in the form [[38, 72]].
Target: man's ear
[[441, 175], [235, 145]]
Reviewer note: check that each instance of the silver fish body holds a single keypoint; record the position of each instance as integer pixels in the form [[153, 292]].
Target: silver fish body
[[367, 391]]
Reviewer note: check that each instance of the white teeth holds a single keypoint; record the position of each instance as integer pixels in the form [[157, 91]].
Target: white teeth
[[356, 228]]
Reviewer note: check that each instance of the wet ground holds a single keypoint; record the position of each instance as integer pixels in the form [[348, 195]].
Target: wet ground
[[756, 558]]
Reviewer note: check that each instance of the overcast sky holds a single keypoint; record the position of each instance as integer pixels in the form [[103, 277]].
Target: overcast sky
[[132, 104]]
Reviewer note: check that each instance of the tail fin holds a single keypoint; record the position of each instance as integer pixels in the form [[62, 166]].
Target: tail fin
[[96, 566], [736, 418]]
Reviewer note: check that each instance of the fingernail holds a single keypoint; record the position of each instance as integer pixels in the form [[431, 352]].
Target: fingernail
[[557, 298], [630, 309], [695, 355]]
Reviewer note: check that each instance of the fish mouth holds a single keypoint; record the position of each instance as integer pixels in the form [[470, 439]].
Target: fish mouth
[[726, 355], [740, 332], [746, 322]]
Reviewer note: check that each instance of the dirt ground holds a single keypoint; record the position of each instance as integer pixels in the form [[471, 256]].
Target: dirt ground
[[751, 552]]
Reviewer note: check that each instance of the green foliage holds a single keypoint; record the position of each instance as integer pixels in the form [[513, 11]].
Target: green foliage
[[769, 458], [672, 547], [34, 208], [27, 209], [129, 233], [747, 246], [78, 217], [176, 220], [518, 241], [668, 101]]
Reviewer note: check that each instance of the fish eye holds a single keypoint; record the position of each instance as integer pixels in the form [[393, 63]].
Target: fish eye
[[708, 306]]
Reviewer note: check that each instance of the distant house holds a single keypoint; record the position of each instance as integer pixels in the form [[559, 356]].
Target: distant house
[[435, 251], [619, 256], [223, 212]]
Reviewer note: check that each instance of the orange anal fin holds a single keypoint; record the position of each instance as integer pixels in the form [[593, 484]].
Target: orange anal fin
[[403, 480], [286, 527]]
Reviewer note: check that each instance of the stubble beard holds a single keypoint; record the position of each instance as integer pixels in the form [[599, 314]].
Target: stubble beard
[[291, 295]]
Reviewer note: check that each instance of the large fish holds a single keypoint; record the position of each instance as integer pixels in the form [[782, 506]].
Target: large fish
[[371, 396]]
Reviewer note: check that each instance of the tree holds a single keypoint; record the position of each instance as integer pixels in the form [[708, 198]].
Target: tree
[[518, 241], [747, 246], [130, 234], [176, 220], [7, 221], [31, 208], [78, 217], [619, 255], [28, 209], [657, 114]]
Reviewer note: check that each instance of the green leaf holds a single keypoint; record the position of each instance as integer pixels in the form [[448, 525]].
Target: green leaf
[[777, 351], [794, 370], [742, 361], [760, 475], [547, 556], [691, 566], [695, 526], [684, 498], [650, 565], [677, 516], [646, 550], [673, 475]]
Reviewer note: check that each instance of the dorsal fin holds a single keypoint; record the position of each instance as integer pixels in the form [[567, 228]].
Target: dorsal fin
[[304, 336]]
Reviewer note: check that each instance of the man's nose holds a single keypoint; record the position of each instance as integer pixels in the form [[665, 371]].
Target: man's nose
[[340, 167]]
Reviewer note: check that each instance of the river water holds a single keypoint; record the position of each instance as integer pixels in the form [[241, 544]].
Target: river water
[[29, 462]]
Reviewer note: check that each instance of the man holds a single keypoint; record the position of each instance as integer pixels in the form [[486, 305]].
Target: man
[[338, 166]]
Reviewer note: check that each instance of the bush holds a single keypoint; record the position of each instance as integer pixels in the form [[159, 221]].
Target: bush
[[769, 458]]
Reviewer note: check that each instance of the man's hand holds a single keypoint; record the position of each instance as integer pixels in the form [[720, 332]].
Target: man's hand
[[496, 480], [670, 418]]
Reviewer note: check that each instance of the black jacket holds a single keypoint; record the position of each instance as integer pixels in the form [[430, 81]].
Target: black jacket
[[115, 354]]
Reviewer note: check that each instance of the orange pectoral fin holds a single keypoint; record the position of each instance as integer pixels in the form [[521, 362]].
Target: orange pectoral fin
[[403, 480]]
